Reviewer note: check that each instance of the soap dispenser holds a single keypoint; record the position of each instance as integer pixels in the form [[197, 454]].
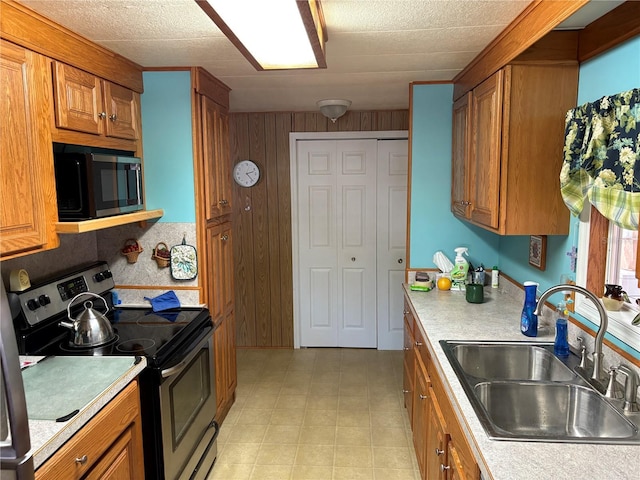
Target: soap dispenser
[[561, 343], [529, 320]]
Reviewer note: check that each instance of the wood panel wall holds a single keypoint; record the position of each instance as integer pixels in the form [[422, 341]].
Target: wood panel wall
[[262, 216]]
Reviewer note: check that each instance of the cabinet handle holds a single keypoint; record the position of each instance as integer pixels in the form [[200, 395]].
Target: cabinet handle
[[423, 397], [406, 391], [406, 349], [404, 312], [82, 460], [102, 115], [113, 117], [444, 468], [223, 202], [439, 452], [224, 237], [418, 344]]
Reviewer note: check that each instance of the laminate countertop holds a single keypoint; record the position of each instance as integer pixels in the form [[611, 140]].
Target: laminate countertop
[[64, 393], [448, 316]]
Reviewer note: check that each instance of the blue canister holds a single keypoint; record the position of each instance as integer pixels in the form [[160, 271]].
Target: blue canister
[[528, 320]]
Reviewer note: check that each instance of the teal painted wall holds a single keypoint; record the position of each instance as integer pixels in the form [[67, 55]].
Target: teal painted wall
[[167, 144], [432, 226]]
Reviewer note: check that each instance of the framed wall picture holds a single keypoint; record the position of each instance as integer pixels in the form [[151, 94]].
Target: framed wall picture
[[538, 251]]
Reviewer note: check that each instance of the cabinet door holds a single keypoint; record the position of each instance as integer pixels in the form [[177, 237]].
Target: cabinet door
[[220, 352], [437, 440], [231, 378], [119, 462], [27, 182], [215, 148], [220, 294], [121, 107], [456, 469], [420, 415], [408, 372], [484, 168], [78, 99], [460, 177]]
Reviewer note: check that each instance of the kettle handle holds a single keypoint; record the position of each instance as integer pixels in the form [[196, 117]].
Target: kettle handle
[[81, 294]]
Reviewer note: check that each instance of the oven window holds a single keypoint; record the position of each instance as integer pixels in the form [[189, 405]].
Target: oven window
[[188, 394]]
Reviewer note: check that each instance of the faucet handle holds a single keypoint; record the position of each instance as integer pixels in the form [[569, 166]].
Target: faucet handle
[[630, 388], [583, 353], [613, 391]]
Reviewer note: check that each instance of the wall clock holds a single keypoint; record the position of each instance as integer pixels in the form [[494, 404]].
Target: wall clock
[[246, 173]]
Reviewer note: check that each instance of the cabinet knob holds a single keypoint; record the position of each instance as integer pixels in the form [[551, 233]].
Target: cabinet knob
[[406, 391], [82, 460], [113, 117], [422, 397], [353, 259], [102, 115], [406, 349], [404, 312], [444, 468], [439, 452], [224, 237], [418, 344], [399, 260], [223, 202]]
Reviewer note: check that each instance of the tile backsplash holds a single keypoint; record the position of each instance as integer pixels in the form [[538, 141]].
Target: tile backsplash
[[106, 245]]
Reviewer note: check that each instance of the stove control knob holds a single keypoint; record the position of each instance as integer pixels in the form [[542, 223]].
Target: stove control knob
[[107, 274], [44, 300], [99, 277], [33, 304]]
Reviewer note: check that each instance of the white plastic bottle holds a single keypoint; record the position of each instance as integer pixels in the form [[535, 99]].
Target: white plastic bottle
[[494, 276]]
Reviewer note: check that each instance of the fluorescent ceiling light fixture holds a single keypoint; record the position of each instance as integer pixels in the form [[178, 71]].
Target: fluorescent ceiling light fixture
[[272, 34]]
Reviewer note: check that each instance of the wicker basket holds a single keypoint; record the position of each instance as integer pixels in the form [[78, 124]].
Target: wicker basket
[[132, 256], [163, 259]]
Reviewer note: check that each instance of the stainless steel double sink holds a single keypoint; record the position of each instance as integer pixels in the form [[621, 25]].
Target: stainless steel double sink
[[522, 391]]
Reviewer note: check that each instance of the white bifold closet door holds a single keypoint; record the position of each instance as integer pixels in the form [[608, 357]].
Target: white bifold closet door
[[339, 213]]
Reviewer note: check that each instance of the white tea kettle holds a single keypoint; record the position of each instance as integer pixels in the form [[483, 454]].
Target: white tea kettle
[[91, 328]]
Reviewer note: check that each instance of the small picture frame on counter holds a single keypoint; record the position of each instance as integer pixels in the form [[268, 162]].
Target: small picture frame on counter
[[538, 251]]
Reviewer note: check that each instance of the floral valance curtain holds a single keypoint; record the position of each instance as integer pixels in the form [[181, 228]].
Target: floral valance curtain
[[602, 158]]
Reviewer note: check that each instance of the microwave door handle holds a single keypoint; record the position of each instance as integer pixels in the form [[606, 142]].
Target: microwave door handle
[[80, 189]]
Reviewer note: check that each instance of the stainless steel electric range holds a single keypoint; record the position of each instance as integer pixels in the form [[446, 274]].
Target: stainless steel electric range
[[178, 397]]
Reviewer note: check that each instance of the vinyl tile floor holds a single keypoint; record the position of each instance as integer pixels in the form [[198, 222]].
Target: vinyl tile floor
[[317, 413]]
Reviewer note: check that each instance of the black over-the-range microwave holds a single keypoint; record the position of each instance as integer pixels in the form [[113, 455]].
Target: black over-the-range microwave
[[92, 184]]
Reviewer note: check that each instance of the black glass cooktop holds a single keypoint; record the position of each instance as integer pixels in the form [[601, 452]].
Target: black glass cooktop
[[137, 332]]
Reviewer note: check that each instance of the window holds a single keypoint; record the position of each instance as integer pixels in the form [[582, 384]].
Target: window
[[610, 254]]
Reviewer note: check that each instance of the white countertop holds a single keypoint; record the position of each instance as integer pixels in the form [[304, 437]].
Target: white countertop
[[448, 316], [47, 436]]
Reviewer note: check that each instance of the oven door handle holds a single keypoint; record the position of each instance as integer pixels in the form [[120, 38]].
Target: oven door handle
[[176, 369]]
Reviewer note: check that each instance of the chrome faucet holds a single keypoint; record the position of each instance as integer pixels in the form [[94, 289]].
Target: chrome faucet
[[598, 373]]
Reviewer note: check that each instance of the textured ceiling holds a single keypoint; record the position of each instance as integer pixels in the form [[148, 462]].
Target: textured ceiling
[[375, 48]]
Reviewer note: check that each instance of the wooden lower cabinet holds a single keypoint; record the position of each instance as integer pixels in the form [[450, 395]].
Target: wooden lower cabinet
[[226, 372], [109, 446], [442, 450]]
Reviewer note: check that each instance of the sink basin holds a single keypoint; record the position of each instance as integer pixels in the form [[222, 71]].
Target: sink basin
[[521, 391], [553, 411], [511, 362]]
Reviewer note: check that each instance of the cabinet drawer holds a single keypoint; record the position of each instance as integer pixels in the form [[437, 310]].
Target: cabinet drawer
[[76, 457]]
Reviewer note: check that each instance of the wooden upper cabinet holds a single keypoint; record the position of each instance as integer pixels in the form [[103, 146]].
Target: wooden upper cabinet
[[122, 110], [28, 209], [515, 137], [460, 157], [86, 103], [215, 140]]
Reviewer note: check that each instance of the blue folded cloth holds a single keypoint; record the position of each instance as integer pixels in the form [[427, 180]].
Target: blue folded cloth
[[166, 301]]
